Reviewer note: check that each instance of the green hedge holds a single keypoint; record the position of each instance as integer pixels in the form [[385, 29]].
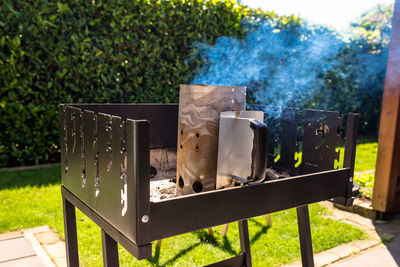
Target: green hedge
[[95, 51]]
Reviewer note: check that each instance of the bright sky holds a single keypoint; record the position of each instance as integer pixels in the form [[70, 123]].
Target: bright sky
[[335, 13]]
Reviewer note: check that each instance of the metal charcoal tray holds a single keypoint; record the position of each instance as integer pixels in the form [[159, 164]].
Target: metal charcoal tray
[[105, 163]]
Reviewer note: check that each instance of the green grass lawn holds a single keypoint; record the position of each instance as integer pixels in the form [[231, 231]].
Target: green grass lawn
[[367, 150], [33, 198]]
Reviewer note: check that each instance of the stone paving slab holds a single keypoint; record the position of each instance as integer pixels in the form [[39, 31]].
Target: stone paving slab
[[56, 250], [53, 245], [345, 250], [32, 261], [10, 234], [14, 248], [365, 244], [377, 256], [22, 248], [338, 253], [325, 257]]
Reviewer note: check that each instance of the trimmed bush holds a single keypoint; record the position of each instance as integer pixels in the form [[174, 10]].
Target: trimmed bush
[[95, 51]]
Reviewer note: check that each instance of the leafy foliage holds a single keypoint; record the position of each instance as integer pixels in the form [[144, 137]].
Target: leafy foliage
[[356, 84], [95, 51], [366, 182]]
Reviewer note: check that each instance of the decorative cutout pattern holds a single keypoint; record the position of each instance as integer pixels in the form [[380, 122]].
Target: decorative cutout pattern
[[289, 124], [316, 132], [123, 171], [92, 141], [96, 157], [83, 151], [73, 132], [109, 143]]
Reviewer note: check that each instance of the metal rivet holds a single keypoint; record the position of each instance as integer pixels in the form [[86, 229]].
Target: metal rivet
[[145, 218], [351, 179], [202, 177]]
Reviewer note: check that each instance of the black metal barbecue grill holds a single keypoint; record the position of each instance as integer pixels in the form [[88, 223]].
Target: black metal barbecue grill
[[105, 164]]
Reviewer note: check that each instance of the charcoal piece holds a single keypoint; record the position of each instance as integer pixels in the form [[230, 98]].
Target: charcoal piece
[[272, 174]]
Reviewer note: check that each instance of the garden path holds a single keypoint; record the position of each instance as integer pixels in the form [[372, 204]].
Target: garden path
[[34, 247]]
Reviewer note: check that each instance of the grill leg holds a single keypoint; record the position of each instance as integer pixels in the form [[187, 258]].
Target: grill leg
[[268, 220], [110, 250], [303, 220], [245, 242], [71, 239], [224, 230], [210, 232]]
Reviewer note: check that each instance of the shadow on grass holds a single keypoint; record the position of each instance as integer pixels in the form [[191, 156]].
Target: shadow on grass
[[155, 259], [264, 230], [204, 237], [35, 177], [228, 247], [225, 246], [257, 236]]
